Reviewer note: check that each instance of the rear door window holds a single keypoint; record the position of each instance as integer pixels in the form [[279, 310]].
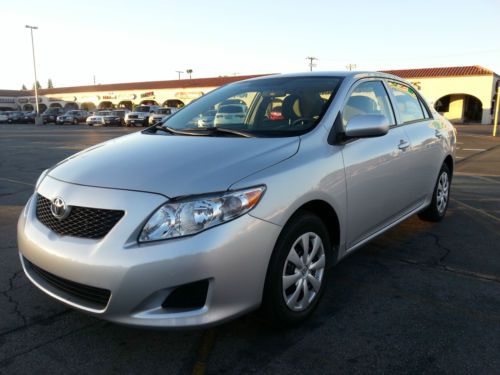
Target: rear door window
[[410, 108]]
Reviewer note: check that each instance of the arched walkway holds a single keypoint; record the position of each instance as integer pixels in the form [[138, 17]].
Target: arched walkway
[[70, 105], [126, 104], [148, 102], [28, 107], [105, 105], [88, 106], [460, 108], [174, 103], [55, 105]]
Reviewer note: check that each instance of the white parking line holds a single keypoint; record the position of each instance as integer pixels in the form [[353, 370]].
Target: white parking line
[[459, 157], [16, 181], [474, 149]]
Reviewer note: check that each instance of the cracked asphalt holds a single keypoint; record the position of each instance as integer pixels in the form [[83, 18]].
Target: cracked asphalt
[[422, 298]]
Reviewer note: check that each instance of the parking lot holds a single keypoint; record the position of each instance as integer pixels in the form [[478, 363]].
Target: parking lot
[[422, 298]]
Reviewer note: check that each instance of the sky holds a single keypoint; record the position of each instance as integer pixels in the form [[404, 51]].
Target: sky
[[130, 41]]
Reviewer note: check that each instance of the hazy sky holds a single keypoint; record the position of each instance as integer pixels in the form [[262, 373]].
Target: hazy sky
[[126, 41]]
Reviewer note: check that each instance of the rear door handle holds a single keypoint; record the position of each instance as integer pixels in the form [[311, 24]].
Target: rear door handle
[[403, 145]]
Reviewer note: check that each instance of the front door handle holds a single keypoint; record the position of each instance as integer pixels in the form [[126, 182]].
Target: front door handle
[[403, 145]]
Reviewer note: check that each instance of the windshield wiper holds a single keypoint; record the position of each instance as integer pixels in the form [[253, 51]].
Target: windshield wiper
[[213, 130], [201, 131], [170, 130]]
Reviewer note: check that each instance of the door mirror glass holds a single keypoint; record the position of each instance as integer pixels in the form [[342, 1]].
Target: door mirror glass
[[364, 126]]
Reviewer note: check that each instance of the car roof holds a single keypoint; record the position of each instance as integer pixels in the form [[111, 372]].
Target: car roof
[[350, 75]]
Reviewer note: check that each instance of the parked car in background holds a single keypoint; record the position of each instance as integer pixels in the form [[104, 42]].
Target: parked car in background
[[115, 118], [98, 118], [230, 114], [14, 117], [121, 113], [51, 114], [181, 226], [140, 115], [161, 114], [4, 116], [74, 117], [29, 117], [206, 119]]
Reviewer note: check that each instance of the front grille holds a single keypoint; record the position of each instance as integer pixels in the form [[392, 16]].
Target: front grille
[[95, 297], [82, 222]]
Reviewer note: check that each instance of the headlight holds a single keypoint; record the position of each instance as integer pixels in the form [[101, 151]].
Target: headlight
[[178, 219], [40, 179]]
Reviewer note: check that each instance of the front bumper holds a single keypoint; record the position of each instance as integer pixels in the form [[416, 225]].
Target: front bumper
[[137, 121], [233, 257]]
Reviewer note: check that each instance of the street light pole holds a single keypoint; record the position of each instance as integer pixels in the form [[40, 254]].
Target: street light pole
[[37, 119]]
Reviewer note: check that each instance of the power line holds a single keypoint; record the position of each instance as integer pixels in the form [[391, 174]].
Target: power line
[[311, 62]]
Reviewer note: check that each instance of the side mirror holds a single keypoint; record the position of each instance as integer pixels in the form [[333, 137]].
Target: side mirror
[[365, 126]]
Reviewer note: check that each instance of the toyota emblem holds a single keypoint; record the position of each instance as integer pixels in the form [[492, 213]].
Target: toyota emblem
[[59, 209]]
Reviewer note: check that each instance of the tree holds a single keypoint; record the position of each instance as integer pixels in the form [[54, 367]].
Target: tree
[[24, 87], [49, 84], [189, 71], [38, 86]]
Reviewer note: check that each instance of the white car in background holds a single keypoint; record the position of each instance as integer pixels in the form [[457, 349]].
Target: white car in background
[[4, 116], [161, 114], [140, 115], [207, 118], [230, 114], [98, 118]]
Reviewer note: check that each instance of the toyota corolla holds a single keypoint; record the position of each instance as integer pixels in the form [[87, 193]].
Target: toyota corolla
[[206, 223]]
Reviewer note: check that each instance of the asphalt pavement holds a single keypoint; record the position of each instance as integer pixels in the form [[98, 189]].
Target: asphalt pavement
[[422, 298]]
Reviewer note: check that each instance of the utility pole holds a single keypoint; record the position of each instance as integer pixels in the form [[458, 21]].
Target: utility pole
[[179, 72], [311, 62], [350, 67], [37, 118], [94, 79]]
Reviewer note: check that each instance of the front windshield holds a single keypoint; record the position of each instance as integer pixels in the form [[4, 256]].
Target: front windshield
[[141, 109], [163, 111], [251, 106], [118, 113]]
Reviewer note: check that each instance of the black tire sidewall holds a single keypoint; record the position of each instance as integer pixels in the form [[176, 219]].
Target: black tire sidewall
[[273, 303]]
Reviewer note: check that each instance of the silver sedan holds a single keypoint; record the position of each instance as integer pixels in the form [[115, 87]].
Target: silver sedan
[[203, 224]]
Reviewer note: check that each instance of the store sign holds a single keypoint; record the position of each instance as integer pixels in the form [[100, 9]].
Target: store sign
[[127, 96], [33, 100], [149, 94], [188, 95], [109, 97]]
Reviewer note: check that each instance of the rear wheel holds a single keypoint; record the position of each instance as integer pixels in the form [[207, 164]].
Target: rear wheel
[[440, 198], [296, 275]]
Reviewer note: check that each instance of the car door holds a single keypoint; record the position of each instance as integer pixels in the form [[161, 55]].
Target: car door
[[425, 137], [375, 167]]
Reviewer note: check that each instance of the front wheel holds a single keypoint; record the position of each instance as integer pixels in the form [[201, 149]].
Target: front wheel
[[440, 198], [296, 276]]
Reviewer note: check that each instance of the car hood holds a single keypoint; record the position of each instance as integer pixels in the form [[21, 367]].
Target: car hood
[[173, 165]]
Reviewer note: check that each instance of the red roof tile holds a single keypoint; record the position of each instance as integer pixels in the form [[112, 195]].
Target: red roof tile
[[152, 85], [453, 71]]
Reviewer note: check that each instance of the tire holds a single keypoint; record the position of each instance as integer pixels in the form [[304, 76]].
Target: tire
[[288, 307], [440, 197]]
